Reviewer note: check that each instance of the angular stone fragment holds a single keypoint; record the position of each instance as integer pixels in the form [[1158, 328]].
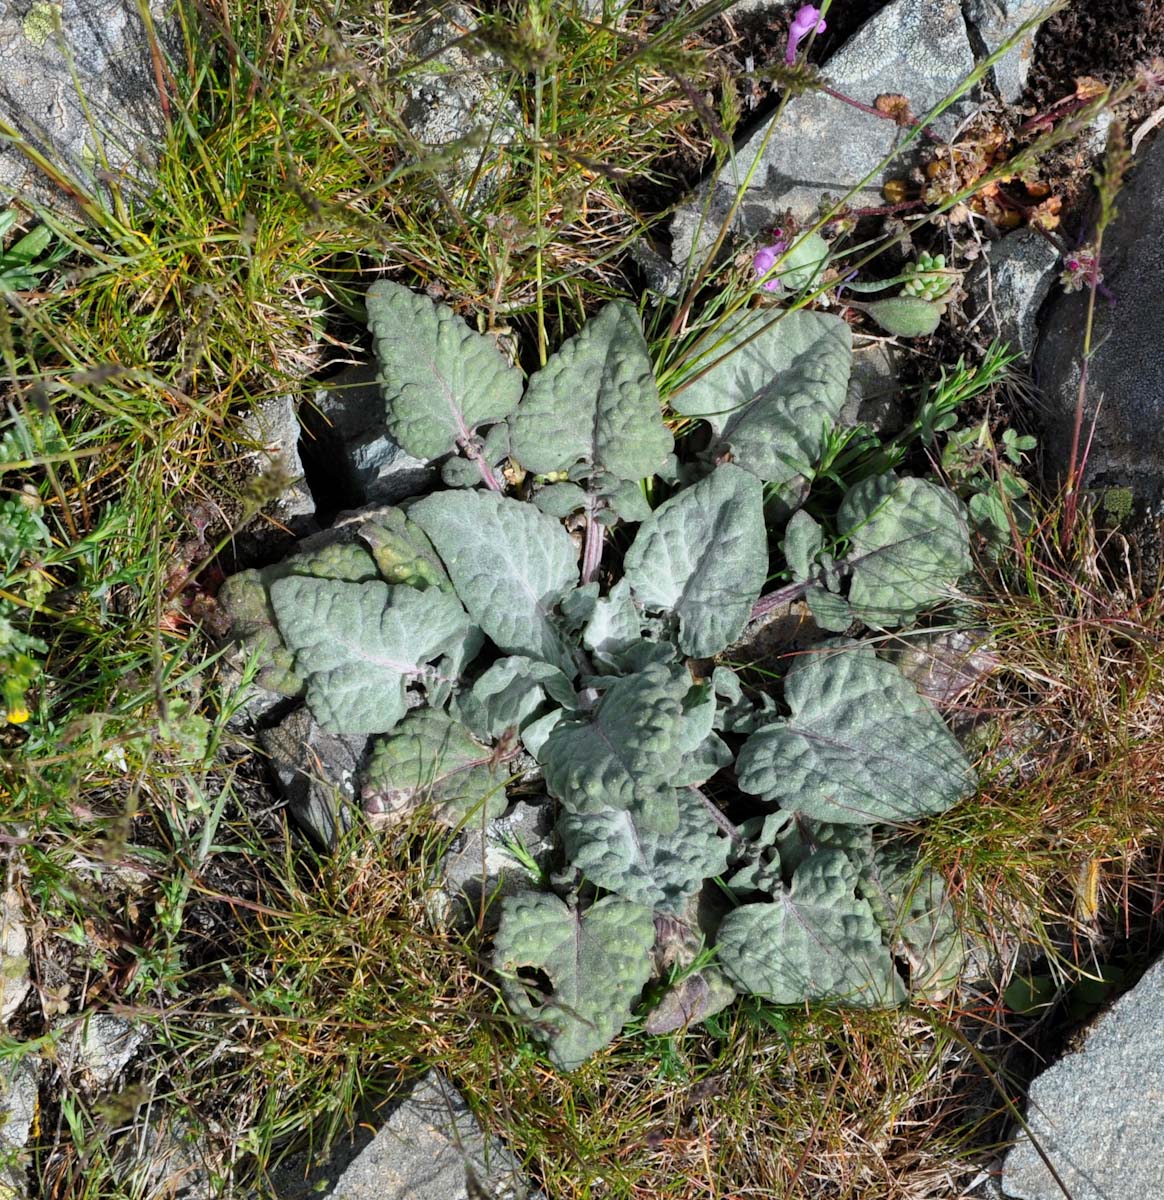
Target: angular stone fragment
[[1009, 286], [79, 84], [14, 981], [18, 1101], [993, 22], [915, 48], [1098, 1113]]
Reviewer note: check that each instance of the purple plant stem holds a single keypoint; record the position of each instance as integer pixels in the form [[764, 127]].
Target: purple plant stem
[[774, 600], [592, 547]]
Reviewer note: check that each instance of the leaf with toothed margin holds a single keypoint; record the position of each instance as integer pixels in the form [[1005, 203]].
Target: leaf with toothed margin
[[860, 746], [440, 379], [596, 963], [703, 555], [510, 565], [815, 941], [359, 644], [595, 402]]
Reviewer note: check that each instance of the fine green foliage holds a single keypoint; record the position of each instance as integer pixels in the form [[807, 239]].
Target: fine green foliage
[[511, 635]]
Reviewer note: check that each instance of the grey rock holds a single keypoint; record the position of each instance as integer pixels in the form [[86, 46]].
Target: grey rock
[[18, 1093], [105, 1045], [1126, 369], [944, 666], [453, 106], [429, 1148], [161, 1155], [482, 865], [993, 22], [1008, 287], [85, 97], [316, 773], [348, 438], [1098, 1113], [274, 425], [874, 397], [14, 980], [918, 48]]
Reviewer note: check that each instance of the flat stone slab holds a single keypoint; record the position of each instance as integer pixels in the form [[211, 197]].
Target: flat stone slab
[[430, 1148], [1099, 1113], [51, 50], [916, 48]]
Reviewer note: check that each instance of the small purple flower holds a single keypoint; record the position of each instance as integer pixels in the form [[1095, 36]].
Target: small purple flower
[[765, 259], [806, 20]]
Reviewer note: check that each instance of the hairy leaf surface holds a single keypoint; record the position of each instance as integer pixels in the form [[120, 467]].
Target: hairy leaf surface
[[860, 747], [431, 759], [621, 851], [440, 378], [703, 555], [510, 692], [597, 962], [358, 644], [815, 941], [510, 565], [595, 402], [908, 545]]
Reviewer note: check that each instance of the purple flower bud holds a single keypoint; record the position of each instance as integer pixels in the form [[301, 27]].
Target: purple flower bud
[[806, 20], [765, 259]]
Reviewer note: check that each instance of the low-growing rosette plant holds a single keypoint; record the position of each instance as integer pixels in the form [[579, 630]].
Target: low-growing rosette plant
[[572, 590]]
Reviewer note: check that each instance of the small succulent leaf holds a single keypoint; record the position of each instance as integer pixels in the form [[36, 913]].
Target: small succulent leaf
[[916, 915], [815, 941], [402, 552], [621, 851], [803, 541], [832, 613], [908, 545], [703, 555], [559, 500], [905, 316], [614, 627], [595, 402], [358, 644], [860, 747], [510, 565], [597, 963], [440, 379], [245, 598], [431, 759], [805, 260], [510, 692], [621, 754]]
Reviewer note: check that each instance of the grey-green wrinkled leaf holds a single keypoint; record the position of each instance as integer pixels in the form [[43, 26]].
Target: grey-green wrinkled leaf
[[830, 612], [595, 402], [535, 733], [806, 259], [614, 627], [803, 541], [905, 316], [626, 499], [560, 499], [431, 759], [358, 644], [245, 598], [510, 692], [860, 747], [597, 963], [510, 565], [622, 851], [457, 472], [402, 552], [622, 753], [815, 941], [440, 378], [908, 545], [772, 401], [703, 555], [694, 998], [916, 915]]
